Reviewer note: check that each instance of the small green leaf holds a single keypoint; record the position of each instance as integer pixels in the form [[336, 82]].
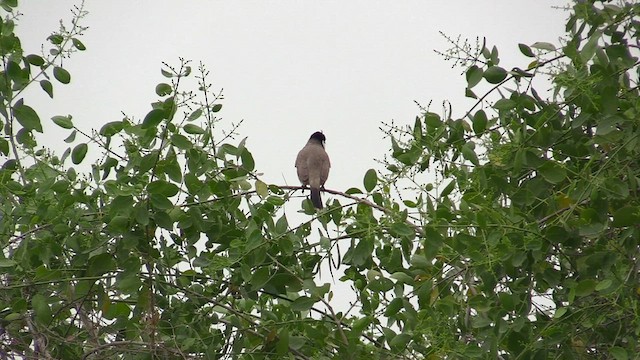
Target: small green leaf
[[470, 94], [41, 308], [370, 180], [352, 191], [35, 60], [432, 120], [63, 121], [469, 153], [247, 160], [448, 189], [4, 147], [56, 39], [194, 115], [585, 287], [27, 117], [47, 87], [526, 50], [100, 264], [78, 44], [161, 202], [604, 284], [559, 312], [618, 353], [61, 75], [111, 128], [543, 46], [479, 122], [216, 107], [400, 342], [181, 142], [193, 129], [626, 216], [153, 118], [4, 263], [552, 172], [473, 75], [163, 89], [166, 74], [495, 74], [260, 277], [303, 303], [262, 189], [504, 104], [78, 153], [162, 187]]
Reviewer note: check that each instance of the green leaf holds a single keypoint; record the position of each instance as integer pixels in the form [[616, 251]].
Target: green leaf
[[618, 353], [604, 285], [160, 201], [61, 75], [78, 153], [56, 39], [626, 216], [41, 309], [504, 104], [526, 50], [195, 115], [153, 118], [4, 147], [78, 44], [469, 153], [216, 107], [432, 120], [5, 263], [495, 74], [552, 172], [163, 89], [63, 121], [247, 160], [262, 189], [448, 189], [479, 122], [470, 94], [27, 117], [303, 303], [181, 142], [100, 264], [111, 128], [585, 287], [193, 129], [543, 46], [473, 75], [260, 278], [163, 188], [47, 87], [400, 342], [394, 307], [370, 180], [35, 60], [559, 312]]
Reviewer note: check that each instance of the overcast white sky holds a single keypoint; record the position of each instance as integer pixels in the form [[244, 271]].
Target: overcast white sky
[[288, 68]]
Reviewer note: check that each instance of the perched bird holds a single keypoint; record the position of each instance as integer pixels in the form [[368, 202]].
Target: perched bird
[[313, 166]]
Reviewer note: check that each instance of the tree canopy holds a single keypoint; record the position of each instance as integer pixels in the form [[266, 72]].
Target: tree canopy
[[525, 246]]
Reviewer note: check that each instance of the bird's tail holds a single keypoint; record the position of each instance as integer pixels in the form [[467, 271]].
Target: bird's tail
[[315, 198]]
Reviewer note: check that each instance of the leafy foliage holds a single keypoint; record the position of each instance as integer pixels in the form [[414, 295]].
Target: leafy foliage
[[518, 237]]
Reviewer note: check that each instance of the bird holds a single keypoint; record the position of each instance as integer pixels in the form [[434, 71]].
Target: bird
[[312, 164]]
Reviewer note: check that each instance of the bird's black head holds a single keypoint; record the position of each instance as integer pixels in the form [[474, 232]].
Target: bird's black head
[[318, 136]]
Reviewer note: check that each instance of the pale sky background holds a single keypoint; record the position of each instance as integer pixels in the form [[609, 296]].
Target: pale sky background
[[288, 68]]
